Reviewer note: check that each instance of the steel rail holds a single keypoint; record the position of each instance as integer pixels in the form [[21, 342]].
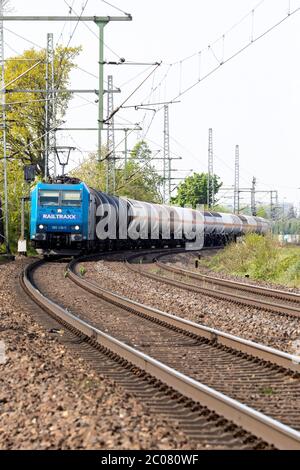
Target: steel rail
[[269, 292], [221, 294], [259, 351], [270, 430]]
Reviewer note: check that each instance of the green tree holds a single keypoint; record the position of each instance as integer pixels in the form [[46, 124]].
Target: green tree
[[26, 111], [17, 188], [224, 209], [138, 180], [193, 190], [291, 213], [26, 122], [262, 212]]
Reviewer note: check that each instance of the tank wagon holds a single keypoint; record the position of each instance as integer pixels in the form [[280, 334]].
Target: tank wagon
[[69, 218]]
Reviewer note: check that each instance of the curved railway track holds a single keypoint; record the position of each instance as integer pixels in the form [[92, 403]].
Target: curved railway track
[[272, 300], [252, 386]]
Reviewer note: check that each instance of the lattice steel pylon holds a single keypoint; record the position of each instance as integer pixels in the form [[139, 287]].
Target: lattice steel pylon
[[236, 201], [3, 126], [253, 199], [111, 155], [50, 111], [210, 175], [166, 158], [274, 205]]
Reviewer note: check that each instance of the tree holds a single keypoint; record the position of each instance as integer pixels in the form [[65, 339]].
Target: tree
[[291, 213], [26, 111], [16, 189], [224, 209], [193, 190], [26, 122], [262, 212], [138, 180]]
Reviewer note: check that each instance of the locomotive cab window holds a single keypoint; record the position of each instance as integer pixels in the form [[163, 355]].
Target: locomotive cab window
[[71, 198], [49, 198]]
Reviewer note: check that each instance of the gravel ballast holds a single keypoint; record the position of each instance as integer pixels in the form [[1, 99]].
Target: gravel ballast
[[51, 399], [251, 323]]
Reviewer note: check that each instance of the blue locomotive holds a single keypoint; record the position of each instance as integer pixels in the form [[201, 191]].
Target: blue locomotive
[[59, 217], [68, 218]]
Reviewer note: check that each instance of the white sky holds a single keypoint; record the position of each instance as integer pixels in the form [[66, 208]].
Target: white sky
[[252, 101]]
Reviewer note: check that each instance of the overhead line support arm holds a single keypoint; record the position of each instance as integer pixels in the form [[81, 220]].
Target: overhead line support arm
[[101, 22]]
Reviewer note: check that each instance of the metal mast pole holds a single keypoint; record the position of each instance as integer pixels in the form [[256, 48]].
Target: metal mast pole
[[111, 158], [210, 176], [3, 102], [274, 205], [126, 153], [253, 202], [50, 111], [101, 25], [236, 205], [166, 158], [47, 120], [53, 107], [101, 22]]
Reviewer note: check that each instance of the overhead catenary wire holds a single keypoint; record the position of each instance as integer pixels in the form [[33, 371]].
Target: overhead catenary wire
[[137, 172], [115, 7], [93, 32], [80, 68], [223, 60], [235, 54], [235, 25], [41, 48], [65, 23], [132, 93], [199, 53], [220, 59]]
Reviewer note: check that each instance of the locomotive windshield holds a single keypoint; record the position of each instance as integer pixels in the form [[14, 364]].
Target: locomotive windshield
[[49, 198], [60, 198], [71, 198]]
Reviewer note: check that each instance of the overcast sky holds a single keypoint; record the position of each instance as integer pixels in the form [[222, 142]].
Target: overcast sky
[[253, 100]]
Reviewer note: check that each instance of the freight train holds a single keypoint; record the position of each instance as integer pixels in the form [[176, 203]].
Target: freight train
[[69, 218]]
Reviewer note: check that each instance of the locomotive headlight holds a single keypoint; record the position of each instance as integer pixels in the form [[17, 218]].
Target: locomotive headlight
[[41, 227], [77, 227]]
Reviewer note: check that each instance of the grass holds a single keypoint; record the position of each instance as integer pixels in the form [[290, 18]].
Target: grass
[[82, 271], [268, 391], [261, 258]]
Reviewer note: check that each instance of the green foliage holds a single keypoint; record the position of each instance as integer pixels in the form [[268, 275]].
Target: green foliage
[[262, 212], [138, 180], [91, 171], [26, 111], [193, 190], [223, 209], [293, 272], [268, 391], [17, 188], [287, 226], [291, 214], [82, 271], [26, 123], [259, 258]]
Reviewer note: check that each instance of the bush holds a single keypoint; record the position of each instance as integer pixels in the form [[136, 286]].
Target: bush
[[260, 258]]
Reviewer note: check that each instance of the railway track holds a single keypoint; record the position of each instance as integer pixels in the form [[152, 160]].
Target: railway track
[[272, 300], [252, 386]]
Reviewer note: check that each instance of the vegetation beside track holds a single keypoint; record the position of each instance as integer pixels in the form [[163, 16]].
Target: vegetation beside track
[[261, 258]]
